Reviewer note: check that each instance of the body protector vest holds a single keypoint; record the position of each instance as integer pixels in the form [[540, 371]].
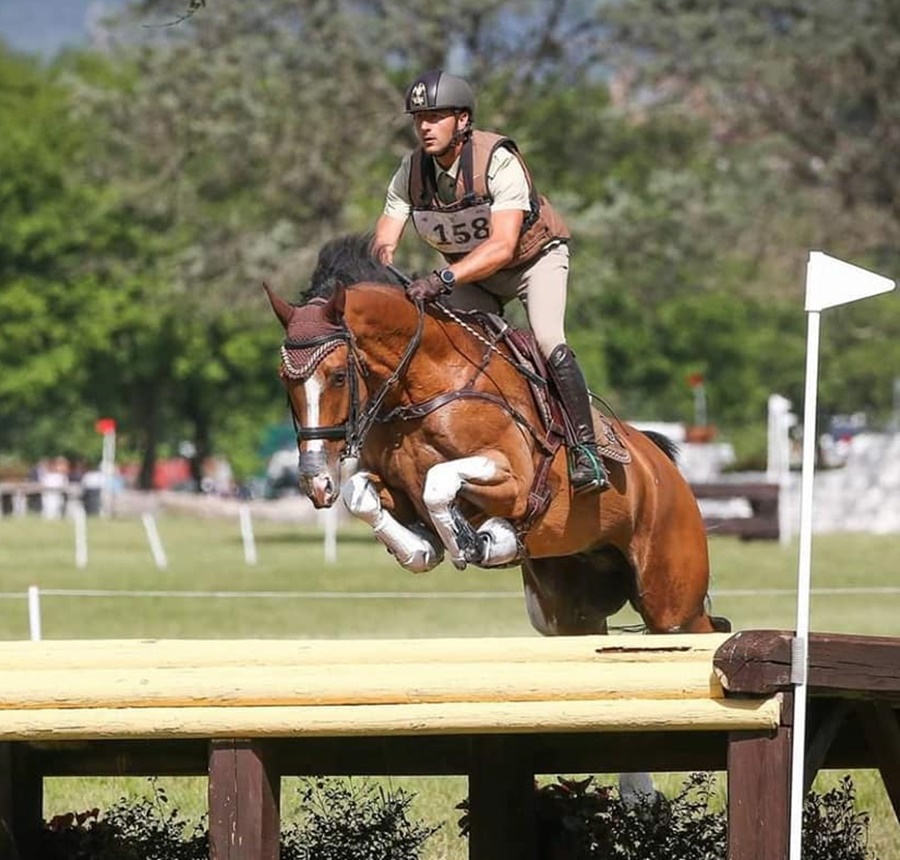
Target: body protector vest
[[456, 228]]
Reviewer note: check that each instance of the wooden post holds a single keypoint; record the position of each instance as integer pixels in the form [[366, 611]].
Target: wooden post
[[759, 792], [244, 795], [21, 804], [882, 730], [7, 809], [502, 822]]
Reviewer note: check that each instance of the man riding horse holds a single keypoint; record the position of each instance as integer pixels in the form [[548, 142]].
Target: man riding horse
[[471, 197]]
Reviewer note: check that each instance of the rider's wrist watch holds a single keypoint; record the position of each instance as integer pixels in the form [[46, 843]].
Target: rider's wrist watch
[[448, 279]]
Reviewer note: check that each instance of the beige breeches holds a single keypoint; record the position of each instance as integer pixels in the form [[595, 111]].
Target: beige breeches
[[540, 286]]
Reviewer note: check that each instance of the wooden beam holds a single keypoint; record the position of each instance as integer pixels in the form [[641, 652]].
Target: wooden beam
[[405, 755], [21, 803], [759, 768], [759, 662], [335, 684], [822, 734], [244, 796], [57, 724], [502, 822], [7, 808], [752, 491], [58, 654]]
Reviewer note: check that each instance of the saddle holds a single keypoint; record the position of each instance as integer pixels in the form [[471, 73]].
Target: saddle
[[524, 352], [520, 348]]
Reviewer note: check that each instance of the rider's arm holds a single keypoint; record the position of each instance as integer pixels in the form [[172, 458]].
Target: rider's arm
[[495, 252], [389, 227], [510, 203], [388, 231]]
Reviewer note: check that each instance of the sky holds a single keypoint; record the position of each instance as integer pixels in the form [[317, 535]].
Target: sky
[[45, 26]]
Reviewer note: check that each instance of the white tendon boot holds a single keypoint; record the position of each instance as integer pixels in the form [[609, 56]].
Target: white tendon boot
[[500, 543], [414, 550]]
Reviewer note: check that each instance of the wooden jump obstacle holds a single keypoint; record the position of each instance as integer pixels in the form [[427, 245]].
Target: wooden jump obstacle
[[763, 498], [496, 710]]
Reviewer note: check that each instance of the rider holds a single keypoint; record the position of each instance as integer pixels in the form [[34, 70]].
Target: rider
[[471, 197]]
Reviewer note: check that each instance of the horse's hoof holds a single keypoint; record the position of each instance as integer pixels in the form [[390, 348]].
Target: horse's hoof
[[720, 623], [498, 544], [475, 551]]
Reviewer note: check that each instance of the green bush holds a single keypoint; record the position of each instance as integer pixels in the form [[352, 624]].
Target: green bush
[[341, 820], [577, 820], [580, 821], [144, 829]]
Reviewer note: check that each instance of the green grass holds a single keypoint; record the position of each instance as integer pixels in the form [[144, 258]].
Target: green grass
[[207, 556]]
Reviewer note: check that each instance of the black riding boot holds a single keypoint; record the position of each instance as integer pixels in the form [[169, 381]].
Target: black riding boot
[[586, 469]]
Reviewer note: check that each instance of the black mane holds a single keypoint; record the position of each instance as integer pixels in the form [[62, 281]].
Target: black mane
[[346, 260]]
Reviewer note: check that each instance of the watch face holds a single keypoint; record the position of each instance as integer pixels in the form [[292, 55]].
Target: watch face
[[447, 277]]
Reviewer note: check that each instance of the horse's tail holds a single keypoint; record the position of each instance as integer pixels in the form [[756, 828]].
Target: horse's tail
[[664, 443]]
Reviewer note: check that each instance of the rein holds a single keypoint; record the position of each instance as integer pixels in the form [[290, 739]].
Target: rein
[[420, 410], [361, 419], [370, 413]]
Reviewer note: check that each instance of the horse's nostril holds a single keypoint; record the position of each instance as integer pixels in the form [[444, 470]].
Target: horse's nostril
[[322, 488]]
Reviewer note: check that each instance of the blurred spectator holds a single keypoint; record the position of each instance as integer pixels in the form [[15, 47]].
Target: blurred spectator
[[55, 480], [92, 492]]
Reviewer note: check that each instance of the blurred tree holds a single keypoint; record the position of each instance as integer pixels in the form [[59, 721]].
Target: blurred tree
[[229, 139], [58, 240], [815, 74], [802, 102]]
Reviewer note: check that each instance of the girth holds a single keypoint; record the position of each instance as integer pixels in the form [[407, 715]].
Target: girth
[[419, 410]]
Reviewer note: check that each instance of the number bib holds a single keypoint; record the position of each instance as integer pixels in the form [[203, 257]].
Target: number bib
[[454, 231]]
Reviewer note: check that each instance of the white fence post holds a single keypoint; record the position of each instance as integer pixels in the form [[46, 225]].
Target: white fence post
[[34, 613], [79, 521], [247, 535], [156, 547]]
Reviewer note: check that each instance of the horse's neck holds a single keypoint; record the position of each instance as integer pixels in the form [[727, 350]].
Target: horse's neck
[[384, 324]]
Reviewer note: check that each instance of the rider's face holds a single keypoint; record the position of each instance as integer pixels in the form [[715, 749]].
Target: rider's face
[[435, 129]]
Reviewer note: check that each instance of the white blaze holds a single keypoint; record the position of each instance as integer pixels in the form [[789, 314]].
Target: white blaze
[[312, 388]]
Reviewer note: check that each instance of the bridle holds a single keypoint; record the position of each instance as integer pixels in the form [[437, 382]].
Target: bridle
[[360, 418], [322, 345]]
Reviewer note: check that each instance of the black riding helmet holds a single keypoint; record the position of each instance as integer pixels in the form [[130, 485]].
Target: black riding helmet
[[436, 90]]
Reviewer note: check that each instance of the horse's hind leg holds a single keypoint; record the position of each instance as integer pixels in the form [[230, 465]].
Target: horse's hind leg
[[575, 595], [672, 585]]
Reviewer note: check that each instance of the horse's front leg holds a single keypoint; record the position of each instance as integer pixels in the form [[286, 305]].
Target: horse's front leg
[[495, 542], [415, 549]]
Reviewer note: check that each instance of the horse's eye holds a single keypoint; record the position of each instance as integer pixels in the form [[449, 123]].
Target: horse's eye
[[339, 378]]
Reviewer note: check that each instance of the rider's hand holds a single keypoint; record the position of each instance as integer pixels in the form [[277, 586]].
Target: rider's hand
[[427, 289], [383, 253]]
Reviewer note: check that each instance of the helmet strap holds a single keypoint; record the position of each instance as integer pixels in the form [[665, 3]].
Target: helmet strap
[[458, 136]]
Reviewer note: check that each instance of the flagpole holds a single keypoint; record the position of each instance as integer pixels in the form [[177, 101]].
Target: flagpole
[[829, 282], [799, 657]]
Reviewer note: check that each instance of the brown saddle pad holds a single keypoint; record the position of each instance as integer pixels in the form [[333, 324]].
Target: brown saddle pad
[[609, 444]]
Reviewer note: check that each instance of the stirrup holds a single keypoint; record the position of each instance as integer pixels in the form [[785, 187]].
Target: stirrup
[[587, 455]]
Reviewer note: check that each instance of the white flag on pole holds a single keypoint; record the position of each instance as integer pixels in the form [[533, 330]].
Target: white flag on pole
[[831, 282]]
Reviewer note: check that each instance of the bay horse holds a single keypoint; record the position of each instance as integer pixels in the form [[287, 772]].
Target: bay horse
[[430, 430]]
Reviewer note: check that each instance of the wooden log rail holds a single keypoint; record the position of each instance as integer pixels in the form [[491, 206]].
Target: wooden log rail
[[763, 498], [496, 710]]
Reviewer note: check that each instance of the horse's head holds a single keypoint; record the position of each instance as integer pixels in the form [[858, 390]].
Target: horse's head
[[321, 375], [322, 368]]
